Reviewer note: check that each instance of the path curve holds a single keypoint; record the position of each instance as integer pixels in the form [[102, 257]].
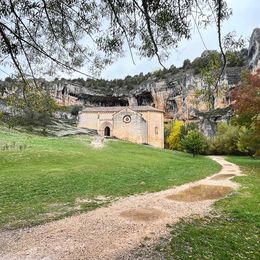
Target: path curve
[[111, 232]]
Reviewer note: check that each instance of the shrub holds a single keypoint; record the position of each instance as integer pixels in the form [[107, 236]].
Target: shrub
[[1, 116], [188, 127], [174, 139], [195, 142], [75, 110], [226, 139], [34, 107], [167, 132], [249, 142]]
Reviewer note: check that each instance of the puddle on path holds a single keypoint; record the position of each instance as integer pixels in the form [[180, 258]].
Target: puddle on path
[[201, 192], [142, 214]]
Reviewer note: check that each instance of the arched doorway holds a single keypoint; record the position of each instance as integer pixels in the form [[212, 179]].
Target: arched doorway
[[107, 131]]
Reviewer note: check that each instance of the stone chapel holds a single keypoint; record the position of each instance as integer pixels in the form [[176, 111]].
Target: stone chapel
[[138, 124]]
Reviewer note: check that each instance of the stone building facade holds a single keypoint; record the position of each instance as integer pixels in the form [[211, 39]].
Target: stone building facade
[[138, 124]]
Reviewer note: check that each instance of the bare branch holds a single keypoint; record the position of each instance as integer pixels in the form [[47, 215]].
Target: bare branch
[[123, 29]]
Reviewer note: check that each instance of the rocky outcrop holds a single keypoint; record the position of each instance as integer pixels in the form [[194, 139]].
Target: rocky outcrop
[[208, 120], [177, 95], [254, 50], [67, 94]]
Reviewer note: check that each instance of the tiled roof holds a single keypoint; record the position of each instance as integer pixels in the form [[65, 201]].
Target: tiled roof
[[117, 109]]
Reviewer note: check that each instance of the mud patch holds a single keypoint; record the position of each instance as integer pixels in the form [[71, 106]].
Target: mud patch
[[223, 176], [201, 192], [143, 214]]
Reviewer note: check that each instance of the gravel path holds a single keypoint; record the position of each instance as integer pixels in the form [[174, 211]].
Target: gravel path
[[111, 232]]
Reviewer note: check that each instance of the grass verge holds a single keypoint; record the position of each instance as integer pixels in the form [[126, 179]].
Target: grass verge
[[46, 178], [233, 233]]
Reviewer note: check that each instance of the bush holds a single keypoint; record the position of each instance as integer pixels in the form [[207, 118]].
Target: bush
[[248, 140], [195, 142], [174, 139], [1, 115], [187, 128], [186, 64], [75, 110], [34, 108], [167, 131], [226, 139]]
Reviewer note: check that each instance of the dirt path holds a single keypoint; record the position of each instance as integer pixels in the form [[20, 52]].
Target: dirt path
[[113, 232]]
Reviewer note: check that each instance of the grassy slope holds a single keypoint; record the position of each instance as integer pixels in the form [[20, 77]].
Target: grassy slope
[[233, 233], [43, 181]]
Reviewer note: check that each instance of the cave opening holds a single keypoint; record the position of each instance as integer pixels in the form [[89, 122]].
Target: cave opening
[[145, 99], [172, 106], [104, 101]]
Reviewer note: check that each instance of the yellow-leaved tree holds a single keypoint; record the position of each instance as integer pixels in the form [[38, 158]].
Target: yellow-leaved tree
[[174, 139]]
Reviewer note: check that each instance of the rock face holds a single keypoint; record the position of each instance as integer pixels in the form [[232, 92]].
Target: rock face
[[176, 95], [254, 50], [67, 94]]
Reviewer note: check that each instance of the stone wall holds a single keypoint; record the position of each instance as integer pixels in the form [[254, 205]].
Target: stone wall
[[134, 129], [88, 120], [155, 121]]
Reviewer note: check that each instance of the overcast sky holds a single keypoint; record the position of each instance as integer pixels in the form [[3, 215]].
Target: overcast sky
[[244, 19]]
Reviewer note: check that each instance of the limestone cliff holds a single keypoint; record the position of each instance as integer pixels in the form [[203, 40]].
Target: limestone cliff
[[254, 50], [175, 94]]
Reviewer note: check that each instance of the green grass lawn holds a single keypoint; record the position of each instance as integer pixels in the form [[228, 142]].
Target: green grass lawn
[[46, 178], [234, 231]]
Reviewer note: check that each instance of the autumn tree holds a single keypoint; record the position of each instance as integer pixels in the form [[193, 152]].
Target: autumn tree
[[246, 98], [174, 139], [246, 105]]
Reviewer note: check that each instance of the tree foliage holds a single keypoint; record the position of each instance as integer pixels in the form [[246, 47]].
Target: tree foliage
[[226, 139], [195, 142], [32, 107], [174, 139], [48, 35], [186, 64], [210, 74], [246, 98], [211, 66], [247, 112]]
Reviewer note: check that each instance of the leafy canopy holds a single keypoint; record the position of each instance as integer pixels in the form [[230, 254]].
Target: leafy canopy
[[195, 142], [40, 36]]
